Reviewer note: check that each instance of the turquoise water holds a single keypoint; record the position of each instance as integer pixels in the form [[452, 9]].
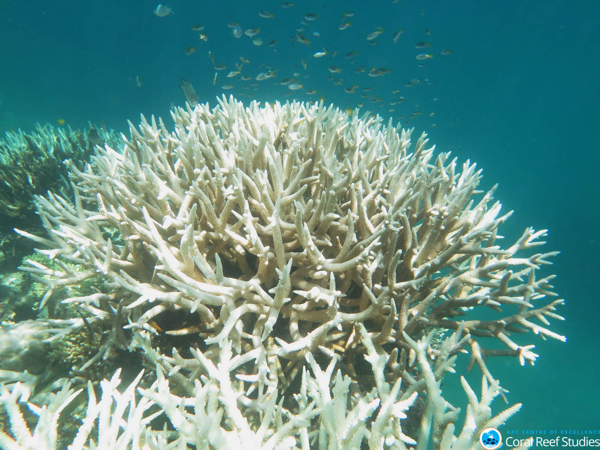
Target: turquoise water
[[518, 94]]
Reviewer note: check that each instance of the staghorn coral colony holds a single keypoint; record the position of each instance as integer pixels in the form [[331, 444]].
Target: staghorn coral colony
[[289, 275], [32, 164]]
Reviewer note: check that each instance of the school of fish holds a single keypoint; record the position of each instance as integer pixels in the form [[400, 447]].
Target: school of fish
[[313, 57]]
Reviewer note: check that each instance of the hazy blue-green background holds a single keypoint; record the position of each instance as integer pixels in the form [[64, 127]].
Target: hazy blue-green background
[[519, 95]]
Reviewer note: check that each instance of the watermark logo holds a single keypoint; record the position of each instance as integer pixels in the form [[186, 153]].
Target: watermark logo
[[490, 439]]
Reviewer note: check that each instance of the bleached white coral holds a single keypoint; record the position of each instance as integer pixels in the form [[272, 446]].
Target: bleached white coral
[[297, 237]]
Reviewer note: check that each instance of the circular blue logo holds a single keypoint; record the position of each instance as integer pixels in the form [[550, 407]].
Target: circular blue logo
[[490, 439]]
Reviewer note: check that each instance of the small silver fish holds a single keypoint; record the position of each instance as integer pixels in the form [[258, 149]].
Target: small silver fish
[[422, 45], [263, 76], [375, 33], [237, 31], [189, 91], [397, 35], [162, 10], [300, 38], [424, 56], [252, 32]]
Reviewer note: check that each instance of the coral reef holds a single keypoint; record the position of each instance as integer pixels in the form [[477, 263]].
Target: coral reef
[[293, 276], [32, 164]]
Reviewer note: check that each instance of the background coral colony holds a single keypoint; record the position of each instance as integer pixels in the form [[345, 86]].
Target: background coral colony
[[295, 275]]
